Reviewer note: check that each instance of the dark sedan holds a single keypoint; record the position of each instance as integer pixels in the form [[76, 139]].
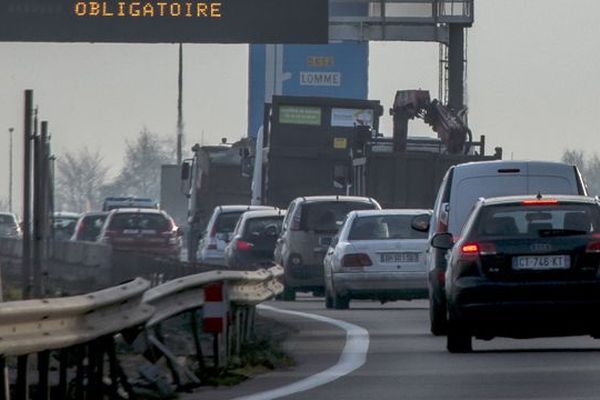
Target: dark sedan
[[254, 239], [524, 267]]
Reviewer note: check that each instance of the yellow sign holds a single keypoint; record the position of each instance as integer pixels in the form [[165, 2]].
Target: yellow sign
[[148, 9], [340, 143], [320, 61]]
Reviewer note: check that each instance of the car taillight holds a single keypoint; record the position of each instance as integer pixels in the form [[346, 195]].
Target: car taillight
[[213, 231], [243, 245], [474, 250], [295, 224], [356, 260], [593, 245]]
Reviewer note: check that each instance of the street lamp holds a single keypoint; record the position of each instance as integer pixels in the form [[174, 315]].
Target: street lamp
[[10, 170]]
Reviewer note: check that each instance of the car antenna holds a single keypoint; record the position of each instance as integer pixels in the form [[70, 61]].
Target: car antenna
[[539, 196]]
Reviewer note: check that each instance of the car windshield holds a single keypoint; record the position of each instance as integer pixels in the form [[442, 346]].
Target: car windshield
[[156, 222], [226, 221], [328, 216], [535, 221], [384, 227]]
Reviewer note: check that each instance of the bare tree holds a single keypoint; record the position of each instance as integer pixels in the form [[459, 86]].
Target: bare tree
[[140, 175], [80, 177], [588, 166]]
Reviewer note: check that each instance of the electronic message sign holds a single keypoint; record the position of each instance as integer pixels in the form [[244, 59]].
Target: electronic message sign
[[165, 21]]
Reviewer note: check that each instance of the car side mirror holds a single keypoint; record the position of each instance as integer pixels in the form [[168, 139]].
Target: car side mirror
[[421, 222], [442, 241], [179, 232]]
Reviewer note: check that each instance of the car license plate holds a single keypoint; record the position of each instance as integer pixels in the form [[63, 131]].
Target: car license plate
[[541, 262], [399, 257]]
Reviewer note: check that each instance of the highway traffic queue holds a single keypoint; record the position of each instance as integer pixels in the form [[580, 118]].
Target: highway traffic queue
[[510, 249]]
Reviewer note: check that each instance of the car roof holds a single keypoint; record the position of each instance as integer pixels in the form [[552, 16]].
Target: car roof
[[241, 207], [390, 211], [7, 213], [94, 214], [137, 211], [264, 213], [517, 199], [66, 214], [494, 165], [315, 199]]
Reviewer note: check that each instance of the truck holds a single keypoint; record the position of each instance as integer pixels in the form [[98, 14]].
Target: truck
[[215, 175]]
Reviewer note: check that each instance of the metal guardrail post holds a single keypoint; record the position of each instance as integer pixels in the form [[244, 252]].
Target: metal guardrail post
[[43, 387], [22, 392]]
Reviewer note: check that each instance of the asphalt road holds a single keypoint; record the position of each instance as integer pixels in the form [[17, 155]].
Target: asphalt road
[[404, 361]]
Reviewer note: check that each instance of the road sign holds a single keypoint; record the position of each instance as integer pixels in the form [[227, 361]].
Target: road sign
[[165, 21]]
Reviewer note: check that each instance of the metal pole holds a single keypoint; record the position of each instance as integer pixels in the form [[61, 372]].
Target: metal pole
[[37, 203], [180, 107], [456, 68], [26, 259], [10, 171]]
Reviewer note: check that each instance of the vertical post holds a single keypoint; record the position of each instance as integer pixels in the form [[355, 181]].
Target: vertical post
[[26, 259], [37, 204], [22, 389], [10, 170], [45, 214], [456, 67], [4, 381], [180, 107], [43, 388]]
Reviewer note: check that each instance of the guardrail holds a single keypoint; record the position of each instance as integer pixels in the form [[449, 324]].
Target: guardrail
[[81, 332]]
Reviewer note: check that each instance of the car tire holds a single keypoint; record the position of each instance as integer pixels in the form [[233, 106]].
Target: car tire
[[438, 323], [289, 293], [328, 299], [341, 302], [458, 340]]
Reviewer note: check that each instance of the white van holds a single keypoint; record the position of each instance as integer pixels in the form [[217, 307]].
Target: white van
[[463, 184]]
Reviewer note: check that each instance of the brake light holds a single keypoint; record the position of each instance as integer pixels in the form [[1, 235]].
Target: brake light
[[243, 246], [593, 245], [548, 202], [476, 249], [472, 248], [356, 260]]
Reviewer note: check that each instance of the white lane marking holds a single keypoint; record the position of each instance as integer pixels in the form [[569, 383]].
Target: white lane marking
[[353, 356]]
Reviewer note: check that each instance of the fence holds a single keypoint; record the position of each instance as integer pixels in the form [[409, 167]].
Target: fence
[[76, 336]]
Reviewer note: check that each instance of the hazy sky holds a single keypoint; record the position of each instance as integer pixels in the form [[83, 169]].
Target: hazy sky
[[533, 85]]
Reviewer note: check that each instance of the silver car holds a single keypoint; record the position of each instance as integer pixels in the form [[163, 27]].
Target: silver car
[[9, 226], [219, 232], [376, 255]]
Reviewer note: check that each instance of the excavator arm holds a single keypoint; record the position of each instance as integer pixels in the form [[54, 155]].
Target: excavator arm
[[410, 104]]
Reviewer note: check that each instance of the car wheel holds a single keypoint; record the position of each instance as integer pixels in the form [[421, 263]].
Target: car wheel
[[341, 302], [328, 298], [438, 323], [458, 340], [289, 293]]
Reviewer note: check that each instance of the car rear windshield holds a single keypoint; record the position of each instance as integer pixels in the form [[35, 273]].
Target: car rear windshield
[[143, 221], [91, 226], [7, 220], [226, 221], [265, 226], [327, 216], [384, 227], [534, 221]]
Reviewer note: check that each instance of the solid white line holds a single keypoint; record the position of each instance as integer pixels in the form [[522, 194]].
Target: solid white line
[[353, 356]]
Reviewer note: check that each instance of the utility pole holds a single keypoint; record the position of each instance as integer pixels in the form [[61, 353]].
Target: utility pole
[[180, 107], [27, 135], [10, 170]]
